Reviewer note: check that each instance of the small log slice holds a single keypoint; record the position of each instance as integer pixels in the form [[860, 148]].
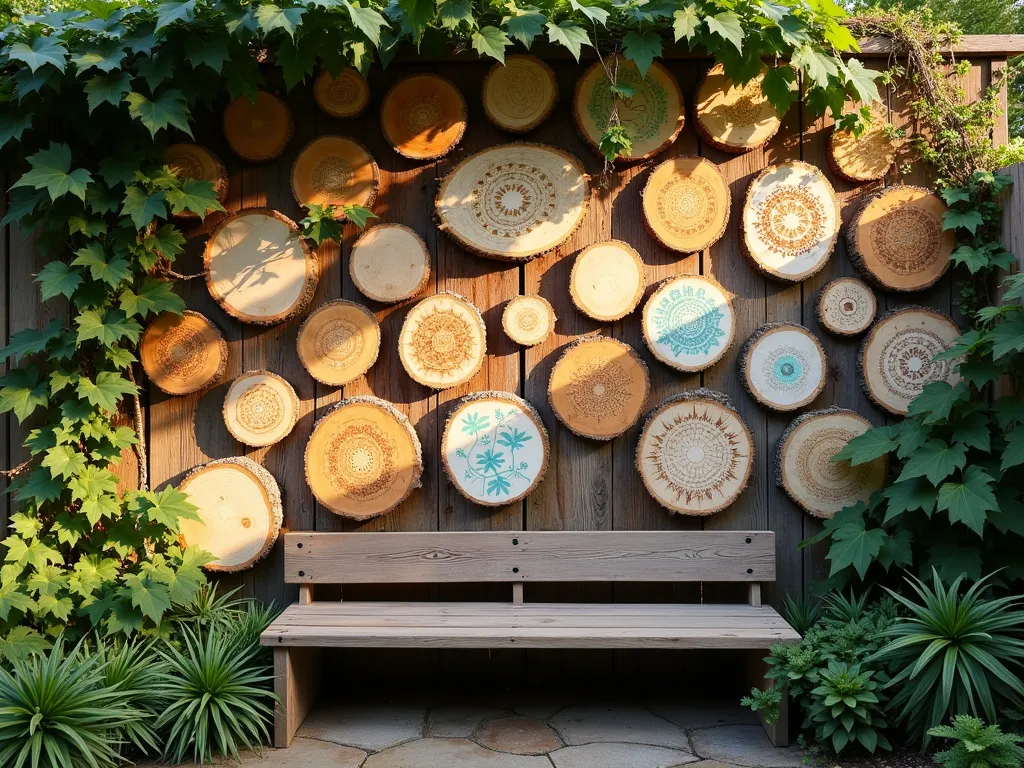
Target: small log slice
[[423, 117], [688, 322], [528, 319], [867, 157], [686, 204], [338, 342], [389, 263], [520, 94], [260, 408], [443, 341], [183, 353], [846, 307], [193, 161], [783, 366], [258, 131], [607, 280], [735, 118], [333, 170], [345, 96]]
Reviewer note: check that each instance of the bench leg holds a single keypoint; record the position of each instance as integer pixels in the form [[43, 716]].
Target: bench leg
[[778, 732], [296, 682]]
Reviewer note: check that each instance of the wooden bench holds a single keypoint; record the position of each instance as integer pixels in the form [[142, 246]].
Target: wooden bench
[[306, 627]]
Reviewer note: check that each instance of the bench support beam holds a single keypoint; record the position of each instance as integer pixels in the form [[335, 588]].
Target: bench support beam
[[296, 683], [778, 732]]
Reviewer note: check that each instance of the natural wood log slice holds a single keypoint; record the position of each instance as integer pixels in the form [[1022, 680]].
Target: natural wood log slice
[[258, 267], [598, 387], [688, 322], [513, 201], [735, 118], [897, 357], [695, 454], [193, 161], [897, 241], [333, 170], [528, 320], [443, 341], [423, 117], [260, 130], [804, 466], [607, 280], [783, 366], [389, 263], [344, 96], [494, 448], [240, 506], [846, 307], [363, 458], [183, 353], [653, 116], [260, 408], [521, 94], [790, 221], [338, 342], [867, 157], [686, 204]]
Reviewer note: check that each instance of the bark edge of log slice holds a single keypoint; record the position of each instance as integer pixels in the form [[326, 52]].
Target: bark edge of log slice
[[443, 341], [384, 253], [345, 97], [867, 157], [686, 203], [335, 170], [846, 306], [260, 408], [194, 161], [734, 119], [421, 105], [528, 319], [688, 322], [535, 93], [338, 342], [618, 285], [258, 131], [785, 357], [179, 346]]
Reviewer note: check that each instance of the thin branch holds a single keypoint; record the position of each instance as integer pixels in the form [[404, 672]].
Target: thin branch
[[140, 446]]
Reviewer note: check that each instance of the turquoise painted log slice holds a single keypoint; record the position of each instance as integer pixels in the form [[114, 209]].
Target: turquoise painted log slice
[[688, 322]]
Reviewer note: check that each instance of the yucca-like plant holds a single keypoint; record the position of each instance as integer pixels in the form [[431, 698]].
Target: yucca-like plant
[[208, 610], [850, 609], [132, 667], [801, 611], [978, 745], [256, 617]]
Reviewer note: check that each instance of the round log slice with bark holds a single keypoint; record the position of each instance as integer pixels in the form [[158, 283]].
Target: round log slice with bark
[[443, 341], [783, 366], [423, 117], [259, 268], [258, 131], [514, 201], [598, 387], [686, 204], [183, 353], [193, 161], [494, 448], [804, 465], [790, 221], [389, 263], [897, 358], [338, 342], [240, 506], [734, 118], [653, 115], [607, 280], [344, 96], [528, 319], [897, 240], [688, 322], [260, 408], [333, 170], [695, 454], [363, 458], [846, 307], [519, 95], [867, 157]]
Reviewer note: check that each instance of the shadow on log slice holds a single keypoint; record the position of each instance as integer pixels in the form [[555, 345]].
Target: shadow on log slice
[[333, 170], [867, 157], [607, 280], [389, 263], [338, 342], [783, 366], [260, 130], [686, 204], [345, 96], [183, 353], [520, 94], [193, 161], [528, 319], [734, 118], [688, 322], [260, 408], [423, 117], [846, 307], [443, 341]]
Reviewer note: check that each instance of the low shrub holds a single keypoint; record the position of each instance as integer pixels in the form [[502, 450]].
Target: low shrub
[[978, 745]]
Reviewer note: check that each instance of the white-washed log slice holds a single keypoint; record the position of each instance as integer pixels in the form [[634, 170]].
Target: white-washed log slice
[[846, 307], [258, 267], [804, 466], [598, 387], [686, 204], [389, 263], [240, 506], [867, 157], [790, 221], [260, 408], [193, 161], [688, 322], [344, 96], [897, 357], [734, 118], [695, 454], [363, 458], [423, 117], [607, 280], [653, 116], [260, 130], [897, 240], [521, 94], [183, 353], [334, 170], [443, 341], [783, 366], [513, 201], [338, 342], [528, 319], [494, 448]]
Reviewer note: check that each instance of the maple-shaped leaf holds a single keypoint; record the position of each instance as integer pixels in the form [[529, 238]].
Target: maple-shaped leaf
[[909, 495], [453, 13], [13, 125], [937, 400], [685, 22], [154, 296], [358, 214], [90, 573], [491, 41], [70, 528], [367, 20], [107, 391], [197, 196], [818, 66], [31, 340], [780, 87], [92, 481], [64, 462], [111, 272], [107, 89], [171, 12], [855, 545], [167, 506], [973, 431], [877, 441], [51, 170], [39, 487], [150, 597], [43, 50], [22, 392], [36, 553], [105, 56], [296, 61], [969, 500], [897, 551], [523, 25], [99, 507], [1008, 336], [642, 49], [860, 79], [13, 599], [168, 108], [121, 616], [270, 17], [957, 219], [107, 328], [209, 52], [935, 460], [572, 36], [727, 25], [21, 643], [1009, 411], [1013, 453], [58, 279]]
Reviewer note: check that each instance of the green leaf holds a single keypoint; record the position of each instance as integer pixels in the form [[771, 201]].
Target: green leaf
[[169, 505], [779, 86], [615, 143], [1008, 336], [171, 12], [13, 599], [896, 551], [51, 170], [685, 22], [99, 507], [90, 573], [107, 329], [107, 391], [367, 21], [165, 240], [31, 341], [296, 61], [196, 196], [92, 481], [935, 460], [953, 560], [594, 13], [453, 13], [973, 431], [22, 392], [104, 56], [417, 15], [166, 109], [957, 219], [909, 495], [642, 49], [727, 26], [953, 195], [860, 79], [39, 487], [209, 52], [1009, 411], [937, 400], [491, 41], [151, 598], [358, 214], [271, 17], [142, 206], [154, 296], [570, 35], [13, 125], [877, 441], [111, 272], [856, 546], [43, 50], [64, 462], [1013, 453], [969, 500], [524, 25], [975, 259], [818, 66]]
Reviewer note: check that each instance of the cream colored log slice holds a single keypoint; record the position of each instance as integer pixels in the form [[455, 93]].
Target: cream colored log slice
[[363, 458], [514, 201], [653, 116], [897, 241], [260, 408], [846, 307], [423, 117], [783, 366], [897, 358], [695, 454], [240, 506], [183, 353], [790, 221], [688, 322], [258, 131], [528, 319], [598, 387], [607, 280], [334, 170], [338, 342], [443, 341], [521, 94], [735, 118], [258, 267], [192, 161], [867, 157], [804, 465], [389, 263], [686, 204], [345, 96], [495, 448]]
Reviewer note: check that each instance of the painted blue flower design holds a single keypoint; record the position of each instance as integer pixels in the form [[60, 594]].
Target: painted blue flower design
[[688, 321], [491, 461]]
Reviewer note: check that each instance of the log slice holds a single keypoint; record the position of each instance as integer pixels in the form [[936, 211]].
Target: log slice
[[528, 319], [520, 94], [423, 117], [260, 408], [735, 118], [345, 96], [443, 341], [389, 263], [607, 280], [183, 353], [688, 322], [846, 307], [258, 131], [686, 204], [194, 161], [334, 170], [338, 342], [867, 157], [783, 366]]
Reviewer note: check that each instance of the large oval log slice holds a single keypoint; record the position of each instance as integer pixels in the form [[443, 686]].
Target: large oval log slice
[[607, 280], [183, 353], [783, 366], [443, 341], [734, 118], [334, 170], [260, 408], [686, 204], [338, 342], [688, 322], [258, 131], [423, 117], [521, 94], [389, 263]]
